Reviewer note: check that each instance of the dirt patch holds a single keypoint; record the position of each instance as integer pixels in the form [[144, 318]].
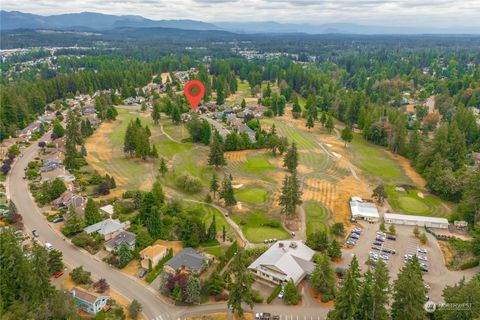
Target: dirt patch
[[346, 188], [447, 252], [409, 171], [322, 191], [177, 246], [165, 76], [132, 267]]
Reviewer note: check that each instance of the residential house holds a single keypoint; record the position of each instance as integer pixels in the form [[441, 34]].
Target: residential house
[[123, 237], [29, 130], [187, 260], [89, 302], [284, 261], [51, 165], [152, 255], [69, 198], [129, 101], [108, 228], [249, 132]]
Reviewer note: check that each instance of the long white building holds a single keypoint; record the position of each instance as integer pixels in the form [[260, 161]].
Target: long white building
[[421, 221]]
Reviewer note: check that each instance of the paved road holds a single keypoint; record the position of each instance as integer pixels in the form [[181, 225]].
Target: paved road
[[153, 306]]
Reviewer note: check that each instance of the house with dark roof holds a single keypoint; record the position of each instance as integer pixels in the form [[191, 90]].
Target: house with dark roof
[[89, 302], [123, 237], [187, 260], [69, 198]]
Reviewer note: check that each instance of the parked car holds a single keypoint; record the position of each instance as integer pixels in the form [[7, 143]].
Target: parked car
[[422, 250], [376, 248], [422, 258], [357, 230], [377, 243], [35, 233], [408, 257], [380, 238], [389, 250], [57, 220], [373, 255], [351, 242], [142, 272], [424, 268], [391, 237], [382, 234], [281, 293], [427, 286], [48, 245], [354, 235], [384, 257], [58, 275]]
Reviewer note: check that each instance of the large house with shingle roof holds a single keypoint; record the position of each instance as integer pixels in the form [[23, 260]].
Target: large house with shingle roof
[[284, 261], [187, 260], [124, 237], [89, 302]]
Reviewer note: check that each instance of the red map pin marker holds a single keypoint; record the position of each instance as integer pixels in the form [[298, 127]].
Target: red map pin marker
[[194, 91]]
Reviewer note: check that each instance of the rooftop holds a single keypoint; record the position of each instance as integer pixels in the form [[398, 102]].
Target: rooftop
[[415, 218], [188, 258], [106, 226]]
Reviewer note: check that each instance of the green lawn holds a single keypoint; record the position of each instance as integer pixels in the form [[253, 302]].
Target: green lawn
[[302, 139], [376, 163], [217, 251], [256, 165], [410, 202], [257, 227], [317, 216], [244, 88], [251, 195]]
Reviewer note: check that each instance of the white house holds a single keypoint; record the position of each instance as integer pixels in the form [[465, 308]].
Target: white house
[[362, 209], [108, 228], [284, 261], [421, 221]]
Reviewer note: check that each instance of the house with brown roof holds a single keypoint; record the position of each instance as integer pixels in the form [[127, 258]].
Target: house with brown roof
[[89, 302], [154, 254]]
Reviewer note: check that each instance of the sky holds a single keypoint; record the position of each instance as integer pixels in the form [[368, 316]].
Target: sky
[[436, 13]]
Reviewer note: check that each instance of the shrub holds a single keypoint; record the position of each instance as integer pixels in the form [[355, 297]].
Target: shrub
[[80, 276], [338, 229], [274, 294], [470, 264], [134, 309], [257, 297], [188, 183], [221, 297], [325, 298]]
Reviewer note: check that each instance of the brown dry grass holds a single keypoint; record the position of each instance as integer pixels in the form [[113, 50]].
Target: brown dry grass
[[346, 188], [237, 156], [447, 252], [322, 191], [165, 76], [132, 267]]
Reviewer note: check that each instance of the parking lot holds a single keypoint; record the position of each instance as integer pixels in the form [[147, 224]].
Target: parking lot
[[405, 244]]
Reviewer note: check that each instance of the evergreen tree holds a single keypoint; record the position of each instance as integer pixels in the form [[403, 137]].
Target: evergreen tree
[[212, 230], [192, 290], [92, 214], [156, 112], [348, 296], [409, 293], [291, 194], [290, 161], [73, 137], [124, 255], [323, 277], [55, 263], [175, 115], [215, 284], [323, 119], [157, 193], [163, 167], [329, 124], [381, 292], [216, 157], [154, 152], [214, 184], [334, 250], [296, 109], [291, 296], [226, 192], [310, 122], [241, 287], [347, 134]]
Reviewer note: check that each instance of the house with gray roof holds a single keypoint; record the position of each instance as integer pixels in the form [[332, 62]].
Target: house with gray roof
[[108, 228], [123, 237], [284, 261], [187, 260]]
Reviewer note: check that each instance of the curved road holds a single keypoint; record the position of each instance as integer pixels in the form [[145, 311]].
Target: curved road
[[127, 286], [131, 288]]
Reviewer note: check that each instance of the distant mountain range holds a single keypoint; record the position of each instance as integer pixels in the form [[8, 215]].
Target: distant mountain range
[[10, 20]]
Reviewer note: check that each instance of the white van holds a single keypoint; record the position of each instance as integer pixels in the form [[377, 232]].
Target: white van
[[48, 245]]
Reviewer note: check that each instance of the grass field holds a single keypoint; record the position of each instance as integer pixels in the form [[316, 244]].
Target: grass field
[[207, 212], [256, 226], [317, 217], [251, 195], [375, 163], [410, 202], [244, 88], [256, 165]]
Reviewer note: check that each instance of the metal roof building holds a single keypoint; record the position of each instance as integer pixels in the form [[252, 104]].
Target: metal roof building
[[403, 219], [363, 210]]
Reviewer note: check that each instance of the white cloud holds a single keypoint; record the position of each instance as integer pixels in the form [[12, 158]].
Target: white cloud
[[435, 13]]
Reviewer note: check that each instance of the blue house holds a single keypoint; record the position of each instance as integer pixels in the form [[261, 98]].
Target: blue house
[[89, 302]]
